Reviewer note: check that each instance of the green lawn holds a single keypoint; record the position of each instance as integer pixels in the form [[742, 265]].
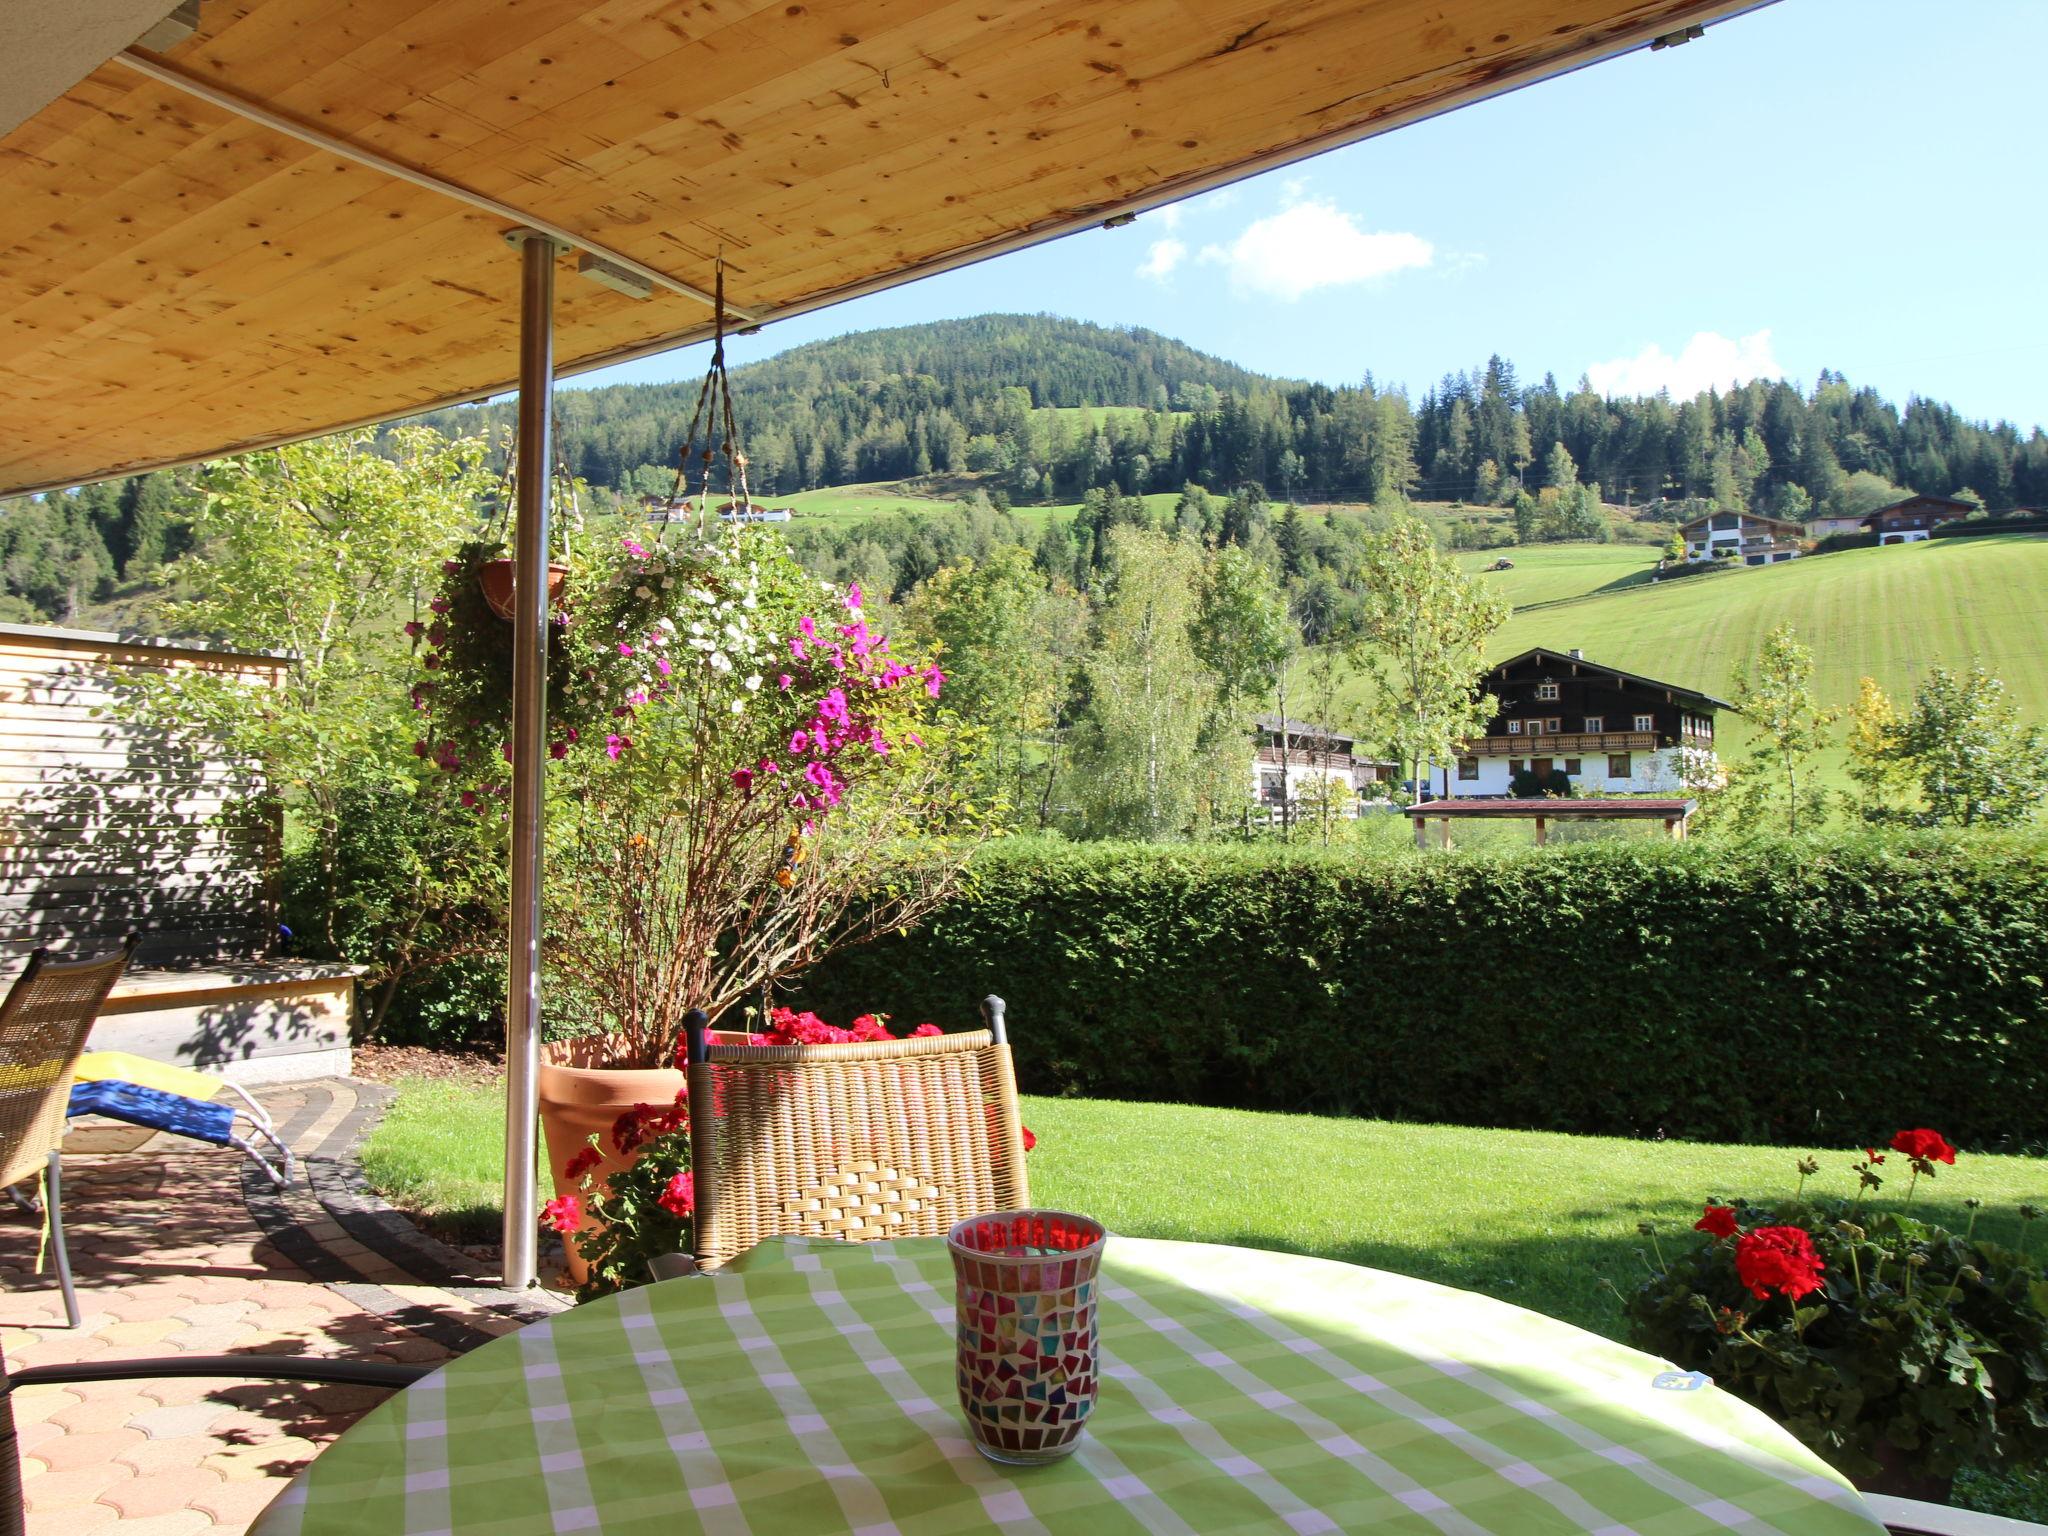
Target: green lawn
[[1535, 1218]]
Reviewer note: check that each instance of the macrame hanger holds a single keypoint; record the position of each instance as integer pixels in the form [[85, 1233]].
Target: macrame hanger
[[713, 416]]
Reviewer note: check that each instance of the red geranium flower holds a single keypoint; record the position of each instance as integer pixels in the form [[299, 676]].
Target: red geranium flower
[[1780, 1259], [1925, 1146], [1030, 1140], [1872, 1156], [680, 1197], [1718, 1220], [562, 1214], [582, 1163]]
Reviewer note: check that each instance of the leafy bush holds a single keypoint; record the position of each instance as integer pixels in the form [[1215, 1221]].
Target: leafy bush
[[404, 897], [1915, 1349], [1840, 541], [1731, 992]]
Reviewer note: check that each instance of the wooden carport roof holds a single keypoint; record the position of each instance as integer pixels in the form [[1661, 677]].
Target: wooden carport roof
[[178, 281]]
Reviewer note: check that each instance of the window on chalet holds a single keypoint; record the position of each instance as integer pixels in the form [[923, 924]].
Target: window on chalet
[[1533, 728], [1546, 690], [1596, 723], [1571, 766], [1468, 768], [1514, 727], [1553, 725], [1269, 788], [1619, 767], [1646, 722]]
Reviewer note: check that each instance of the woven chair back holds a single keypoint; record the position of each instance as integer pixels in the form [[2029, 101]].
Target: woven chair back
[[853, 1142], [44, 1020]]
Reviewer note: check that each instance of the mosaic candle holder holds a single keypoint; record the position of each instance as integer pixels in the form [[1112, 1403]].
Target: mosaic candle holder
[[1026, 1339]]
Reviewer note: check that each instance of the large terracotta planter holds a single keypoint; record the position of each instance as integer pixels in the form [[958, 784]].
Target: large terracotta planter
[[579, 1100]]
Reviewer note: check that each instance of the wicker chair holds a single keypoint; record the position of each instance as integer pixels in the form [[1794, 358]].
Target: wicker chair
[[44, 1020], [855, 1142]]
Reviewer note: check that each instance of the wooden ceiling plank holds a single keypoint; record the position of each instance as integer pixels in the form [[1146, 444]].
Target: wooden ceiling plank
[[664, 131]]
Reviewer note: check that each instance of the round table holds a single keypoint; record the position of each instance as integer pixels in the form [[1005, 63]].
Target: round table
[[808, 1389]]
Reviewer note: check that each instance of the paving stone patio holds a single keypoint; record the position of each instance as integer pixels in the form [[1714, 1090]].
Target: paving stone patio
[[184, 1248]]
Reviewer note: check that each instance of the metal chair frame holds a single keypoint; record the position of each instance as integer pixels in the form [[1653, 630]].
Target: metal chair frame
[[353, 1373]]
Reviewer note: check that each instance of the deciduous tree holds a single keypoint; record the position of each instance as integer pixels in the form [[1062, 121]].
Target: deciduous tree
[[1776, 694]]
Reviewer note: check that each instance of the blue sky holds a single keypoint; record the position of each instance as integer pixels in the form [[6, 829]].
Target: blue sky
[[1851, 184]]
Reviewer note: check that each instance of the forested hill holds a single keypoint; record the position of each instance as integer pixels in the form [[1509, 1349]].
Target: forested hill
[[1037, 409], [1002, 397], [885, 404]]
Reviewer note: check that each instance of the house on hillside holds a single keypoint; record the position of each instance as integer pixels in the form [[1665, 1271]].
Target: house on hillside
[[1296, 759], [1746, 536], [682, 509], [1915, 518], [1562, 717], [1825, 526]]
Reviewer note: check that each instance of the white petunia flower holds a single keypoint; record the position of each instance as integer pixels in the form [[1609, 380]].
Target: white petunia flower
[[753, 682], [645, 594], [720, 662], [738, 705]]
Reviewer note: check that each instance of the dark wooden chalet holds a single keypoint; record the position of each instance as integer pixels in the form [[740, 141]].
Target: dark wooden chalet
[[1560, 712], [1915, 518]]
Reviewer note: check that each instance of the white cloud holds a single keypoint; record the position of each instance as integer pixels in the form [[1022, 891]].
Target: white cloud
[[1168, 217], [1161, 259], [1293, 190], [1311, 245], [1709, 361]]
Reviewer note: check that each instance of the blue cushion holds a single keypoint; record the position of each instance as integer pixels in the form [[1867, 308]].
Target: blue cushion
[[171, 1112]]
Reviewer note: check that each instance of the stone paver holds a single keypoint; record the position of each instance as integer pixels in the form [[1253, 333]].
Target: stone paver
[[176, 1252]]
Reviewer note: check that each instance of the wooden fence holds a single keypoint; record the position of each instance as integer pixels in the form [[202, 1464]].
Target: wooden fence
[[109, 822]]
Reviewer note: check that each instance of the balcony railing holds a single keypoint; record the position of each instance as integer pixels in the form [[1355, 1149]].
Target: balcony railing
[[1562, 744]]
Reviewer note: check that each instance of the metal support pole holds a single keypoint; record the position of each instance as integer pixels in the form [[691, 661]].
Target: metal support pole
[[537, 253]]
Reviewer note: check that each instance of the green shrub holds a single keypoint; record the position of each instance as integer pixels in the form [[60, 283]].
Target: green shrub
[[426, 926], [1779, 991]]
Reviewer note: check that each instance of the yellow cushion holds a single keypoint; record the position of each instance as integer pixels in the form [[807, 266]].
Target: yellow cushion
[[122, 1066]]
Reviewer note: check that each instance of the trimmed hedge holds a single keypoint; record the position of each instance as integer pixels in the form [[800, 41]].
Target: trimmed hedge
[[1780, 992], [1985, 527]]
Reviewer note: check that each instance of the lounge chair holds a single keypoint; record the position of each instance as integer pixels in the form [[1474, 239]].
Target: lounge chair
[[176, 1100]]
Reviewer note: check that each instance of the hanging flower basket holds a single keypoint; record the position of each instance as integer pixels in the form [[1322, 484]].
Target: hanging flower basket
[[495, 578]]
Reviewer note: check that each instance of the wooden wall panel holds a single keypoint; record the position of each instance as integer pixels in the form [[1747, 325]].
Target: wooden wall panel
[[108, 824]]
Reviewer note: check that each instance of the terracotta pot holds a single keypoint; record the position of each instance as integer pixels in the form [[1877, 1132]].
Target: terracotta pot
[[495, 578], [579, 1100]]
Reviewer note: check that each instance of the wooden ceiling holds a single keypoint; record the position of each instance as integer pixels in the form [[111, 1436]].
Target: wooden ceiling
[[178, 282]]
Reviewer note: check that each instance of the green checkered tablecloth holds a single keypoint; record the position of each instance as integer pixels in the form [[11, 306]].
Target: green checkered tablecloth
[[809, 1389]]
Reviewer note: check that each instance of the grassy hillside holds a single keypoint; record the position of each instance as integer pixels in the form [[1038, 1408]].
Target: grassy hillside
[[1549, 573], [1888, 613]]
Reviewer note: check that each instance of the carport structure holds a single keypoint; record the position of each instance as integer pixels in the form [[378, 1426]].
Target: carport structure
[[252, 221]]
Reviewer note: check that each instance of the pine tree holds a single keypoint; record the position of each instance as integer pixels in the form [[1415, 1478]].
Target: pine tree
[[150, 516]]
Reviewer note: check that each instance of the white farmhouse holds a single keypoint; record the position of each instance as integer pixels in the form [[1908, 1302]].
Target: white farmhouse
[[1297, 762]]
